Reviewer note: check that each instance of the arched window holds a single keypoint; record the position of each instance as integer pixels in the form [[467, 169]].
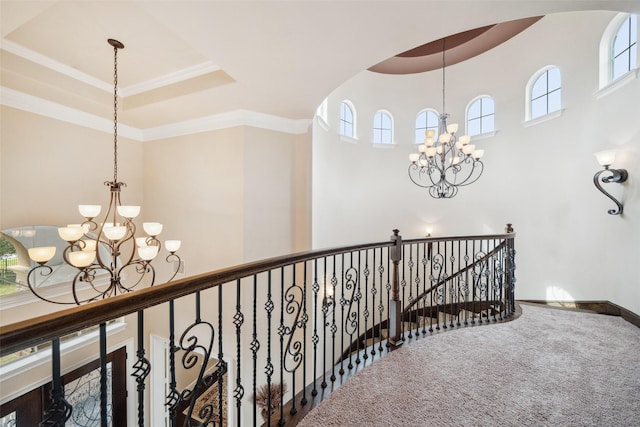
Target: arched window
[[382, 128], [347, 119], [545, 92], [481, 116], [624, 48], [426, 120]]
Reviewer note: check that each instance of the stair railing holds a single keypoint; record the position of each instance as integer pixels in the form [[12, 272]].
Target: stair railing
[[268, 333]]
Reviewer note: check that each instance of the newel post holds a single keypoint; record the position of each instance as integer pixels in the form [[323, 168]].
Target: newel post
[[395, 305], [510, 269]]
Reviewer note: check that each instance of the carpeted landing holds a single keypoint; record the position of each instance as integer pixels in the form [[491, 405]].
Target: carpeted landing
[[550, 367]]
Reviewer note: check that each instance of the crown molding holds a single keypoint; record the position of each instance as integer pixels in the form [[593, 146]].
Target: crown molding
[[171, 78], [166, 80], [228, 120], [33, 104], [53, 110], [51, 64]]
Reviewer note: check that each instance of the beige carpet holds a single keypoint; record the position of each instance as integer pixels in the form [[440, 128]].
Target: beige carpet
[[548, 368]]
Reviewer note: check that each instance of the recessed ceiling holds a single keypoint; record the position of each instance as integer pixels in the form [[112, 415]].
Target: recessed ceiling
[[457, 48]]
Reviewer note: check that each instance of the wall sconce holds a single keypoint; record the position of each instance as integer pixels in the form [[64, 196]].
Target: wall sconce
[[606, 159]]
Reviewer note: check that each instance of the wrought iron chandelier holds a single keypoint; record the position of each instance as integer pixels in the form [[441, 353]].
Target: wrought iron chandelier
[[450, 162], [107, 256]]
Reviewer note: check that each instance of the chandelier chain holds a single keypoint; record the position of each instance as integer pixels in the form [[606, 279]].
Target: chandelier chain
[[115, 114], [443, 81]]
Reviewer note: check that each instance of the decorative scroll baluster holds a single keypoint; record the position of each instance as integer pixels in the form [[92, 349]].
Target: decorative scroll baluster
[[458, 286], [173, 398], [466, 283], [281, 332], [438, 266], [303, 401], [141, 368], [269, 306], [473, 285], [365, 313], [343, 303], [351, 323], [255, 346], [60, 410], [358, 298], [221, 366], [373, 305], [315, 339], [416, 280], [410, 264], [452, 286], [334, 328], [197, 343], [325, 312], [425, 261], [381, 305], [431, 268], [293, 351], [238, 321], [443, 288], [403, 284]]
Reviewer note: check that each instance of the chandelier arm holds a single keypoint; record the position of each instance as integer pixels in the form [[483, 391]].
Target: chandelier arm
[[474, 168], [142, 268], [42, 270], [173, 257], [129, 239], [420, 171]]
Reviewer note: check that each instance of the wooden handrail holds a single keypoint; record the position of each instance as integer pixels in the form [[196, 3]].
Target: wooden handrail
[[28, 333]]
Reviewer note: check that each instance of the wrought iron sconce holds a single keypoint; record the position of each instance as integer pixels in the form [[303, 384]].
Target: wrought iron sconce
[[606, 159]]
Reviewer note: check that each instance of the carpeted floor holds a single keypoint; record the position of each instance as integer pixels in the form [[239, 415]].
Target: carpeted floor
[[550, 367]]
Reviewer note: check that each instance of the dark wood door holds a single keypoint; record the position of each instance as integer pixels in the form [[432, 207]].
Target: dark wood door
[[82, 390]]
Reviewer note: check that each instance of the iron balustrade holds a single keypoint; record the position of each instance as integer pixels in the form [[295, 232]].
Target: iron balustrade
[[302, 321]]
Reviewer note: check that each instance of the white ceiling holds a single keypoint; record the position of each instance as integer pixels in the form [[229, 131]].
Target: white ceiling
[[187, 60]]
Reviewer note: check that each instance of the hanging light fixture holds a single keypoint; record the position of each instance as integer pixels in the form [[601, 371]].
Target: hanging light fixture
[[107, 256], [450, 162]]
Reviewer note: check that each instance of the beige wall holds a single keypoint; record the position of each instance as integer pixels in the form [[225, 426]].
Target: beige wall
[[50, 167]]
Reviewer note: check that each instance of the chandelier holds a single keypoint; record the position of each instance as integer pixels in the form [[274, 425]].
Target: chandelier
[[450, 162], [106, 257]]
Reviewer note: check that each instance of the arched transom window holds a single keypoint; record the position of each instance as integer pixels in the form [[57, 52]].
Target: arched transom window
[[545, 95], [426, 120], [382, 128], [481, 116]]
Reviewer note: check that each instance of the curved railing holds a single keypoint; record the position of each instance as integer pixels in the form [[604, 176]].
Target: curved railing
[[286, 320]]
